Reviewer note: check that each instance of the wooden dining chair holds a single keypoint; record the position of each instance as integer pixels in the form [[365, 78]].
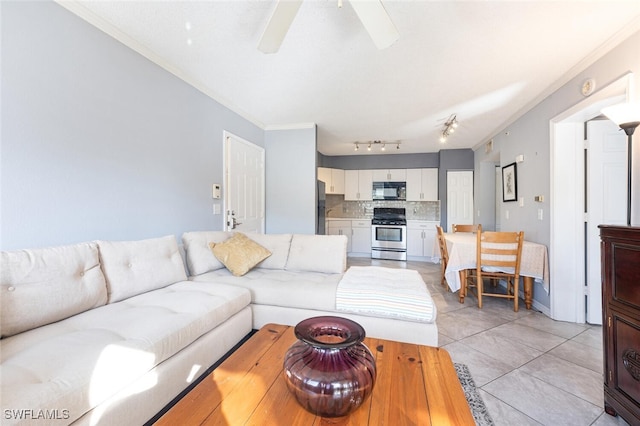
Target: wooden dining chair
[[444, 255], [498, 257], [466, 228]]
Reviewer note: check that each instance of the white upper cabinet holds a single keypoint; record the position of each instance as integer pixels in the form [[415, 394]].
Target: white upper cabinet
[[333, 179], [358, 185], [422, 184], [389, 175]]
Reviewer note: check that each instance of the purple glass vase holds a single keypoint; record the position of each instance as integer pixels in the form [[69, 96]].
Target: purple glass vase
[[329, 370]]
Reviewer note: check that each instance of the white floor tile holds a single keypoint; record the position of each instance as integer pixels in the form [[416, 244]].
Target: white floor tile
[[541, 401]]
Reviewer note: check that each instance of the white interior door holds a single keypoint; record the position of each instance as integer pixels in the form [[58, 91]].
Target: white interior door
[[244, 185], [606, 200], [459, 198]]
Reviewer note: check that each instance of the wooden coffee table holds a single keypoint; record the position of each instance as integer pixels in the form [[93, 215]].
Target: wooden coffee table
[[416, 385]]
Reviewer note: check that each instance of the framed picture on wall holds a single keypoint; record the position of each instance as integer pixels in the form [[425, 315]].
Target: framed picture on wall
[[509, 183]]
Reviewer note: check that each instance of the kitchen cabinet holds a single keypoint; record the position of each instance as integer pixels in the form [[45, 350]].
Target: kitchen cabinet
[[621, 320], [422, 184], [361, 237], [358, 185], [340, 227], [333, 179], [390, 175], [421, 238]]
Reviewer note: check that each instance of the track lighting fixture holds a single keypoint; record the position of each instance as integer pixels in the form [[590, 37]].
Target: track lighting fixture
[[382, 144], [449, 127]]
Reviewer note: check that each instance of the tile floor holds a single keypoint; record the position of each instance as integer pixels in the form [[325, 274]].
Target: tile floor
[[530, 369]]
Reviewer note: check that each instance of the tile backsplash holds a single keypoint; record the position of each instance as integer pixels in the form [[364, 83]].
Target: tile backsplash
[[336, 206]]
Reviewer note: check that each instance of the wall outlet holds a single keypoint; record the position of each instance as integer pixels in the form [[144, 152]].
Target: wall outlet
[[216, 208]]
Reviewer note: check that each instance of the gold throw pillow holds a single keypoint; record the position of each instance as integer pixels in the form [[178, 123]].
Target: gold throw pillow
[[239, 254]]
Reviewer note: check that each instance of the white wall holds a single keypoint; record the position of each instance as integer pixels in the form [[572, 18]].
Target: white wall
[[97, 141], [291, 180], [530, 136]]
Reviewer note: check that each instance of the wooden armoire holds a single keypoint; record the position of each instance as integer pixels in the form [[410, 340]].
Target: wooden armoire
[[620, 248]]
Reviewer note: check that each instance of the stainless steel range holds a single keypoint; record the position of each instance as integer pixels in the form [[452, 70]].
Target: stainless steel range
[[389, 233]]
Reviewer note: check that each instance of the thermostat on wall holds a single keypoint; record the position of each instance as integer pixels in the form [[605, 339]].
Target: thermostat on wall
[[216, 191]]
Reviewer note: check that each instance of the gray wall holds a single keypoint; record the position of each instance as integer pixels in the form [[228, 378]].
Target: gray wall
[[530, 136], [291, 181], [97, 141]]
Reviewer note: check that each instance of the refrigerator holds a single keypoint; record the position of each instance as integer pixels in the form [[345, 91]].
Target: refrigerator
[[321, 203]]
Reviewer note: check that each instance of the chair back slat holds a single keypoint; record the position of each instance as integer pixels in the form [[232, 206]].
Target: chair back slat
[[466, 228]]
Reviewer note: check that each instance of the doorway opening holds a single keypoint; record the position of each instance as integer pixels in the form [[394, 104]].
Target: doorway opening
[[567, 201]]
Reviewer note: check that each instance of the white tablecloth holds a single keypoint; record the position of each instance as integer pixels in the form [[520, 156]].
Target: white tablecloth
[[462, 255]]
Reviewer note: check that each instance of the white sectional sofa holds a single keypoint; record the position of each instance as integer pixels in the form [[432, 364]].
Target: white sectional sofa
[[110, 332]]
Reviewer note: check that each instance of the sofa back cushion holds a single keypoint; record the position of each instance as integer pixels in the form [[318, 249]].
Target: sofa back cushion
[[318, 253], [278, 245], [200, 259], [135, 267], [42, 286]]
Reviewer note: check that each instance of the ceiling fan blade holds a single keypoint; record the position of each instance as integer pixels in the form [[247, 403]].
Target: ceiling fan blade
[[376, 21], [278, 25]]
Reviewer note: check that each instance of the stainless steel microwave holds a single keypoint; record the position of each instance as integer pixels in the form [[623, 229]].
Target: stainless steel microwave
[[389, 191]]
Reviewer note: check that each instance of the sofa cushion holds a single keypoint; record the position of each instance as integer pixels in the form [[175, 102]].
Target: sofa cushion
[[304, 290], [42, 286], [239, 254], [277, 244], [200, 259], [78, 363], [135, 267], [318, 253]]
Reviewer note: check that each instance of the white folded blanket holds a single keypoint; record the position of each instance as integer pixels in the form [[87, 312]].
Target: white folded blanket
[[385, 292]]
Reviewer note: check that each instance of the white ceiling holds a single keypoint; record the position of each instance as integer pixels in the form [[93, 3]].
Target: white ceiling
[[485, 61]]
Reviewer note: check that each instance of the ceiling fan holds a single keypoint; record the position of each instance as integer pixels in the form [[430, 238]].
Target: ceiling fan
[[371, 13]]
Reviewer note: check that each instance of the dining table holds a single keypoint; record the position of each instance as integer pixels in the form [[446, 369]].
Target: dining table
[[534, 263]]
